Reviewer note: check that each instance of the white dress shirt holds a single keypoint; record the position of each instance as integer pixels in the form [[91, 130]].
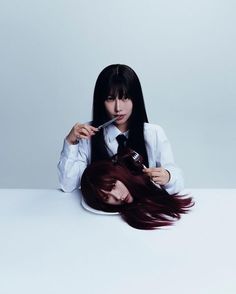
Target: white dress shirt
[[75, 158]]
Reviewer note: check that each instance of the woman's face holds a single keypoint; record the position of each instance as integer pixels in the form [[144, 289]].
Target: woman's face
[[118, 195], [120, 108]]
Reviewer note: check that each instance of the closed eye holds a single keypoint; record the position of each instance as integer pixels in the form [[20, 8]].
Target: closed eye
[[105, 198]]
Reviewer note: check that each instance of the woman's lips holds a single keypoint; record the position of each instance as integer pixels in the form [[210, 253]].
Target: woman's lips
[[120, 117]]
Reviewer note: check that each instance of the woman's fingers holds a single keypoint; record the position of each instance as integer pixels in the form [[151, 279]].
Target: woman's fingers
[[158, 174], [85, 130], [154, 171], [81, 131]]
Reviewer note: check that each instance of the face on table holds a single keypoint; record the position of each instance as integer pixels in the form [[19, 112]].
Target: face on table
[[120, 108], [118, 195]]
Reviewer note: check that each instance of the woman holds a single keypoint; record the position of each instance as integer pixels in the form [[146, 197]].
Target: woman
[[119, 185], [118, 95]]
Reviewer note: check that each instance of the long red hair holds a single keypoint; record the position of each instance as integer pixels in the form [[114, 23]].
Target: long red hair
[[152, 207]]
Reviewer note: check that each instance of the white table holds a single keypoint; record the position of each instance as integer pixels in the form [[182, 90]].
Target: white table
[[49, 244]]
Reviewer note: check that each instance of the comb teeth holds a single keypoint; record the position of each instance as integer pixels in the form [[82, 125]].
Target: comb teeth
[[135, 155], [137, 158]]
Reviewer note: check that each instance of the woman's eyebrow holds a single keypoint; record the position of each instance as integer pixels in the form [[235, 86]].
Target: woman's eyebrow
[[104, 192]]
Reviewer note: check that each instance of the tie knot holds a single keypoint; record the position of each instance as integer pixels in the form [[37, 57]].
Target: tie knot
[[121, 139]]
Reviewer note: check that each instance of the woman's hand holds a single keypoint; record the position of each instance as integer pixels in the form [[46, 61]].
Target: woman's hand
[[159, 175], [80, 131]]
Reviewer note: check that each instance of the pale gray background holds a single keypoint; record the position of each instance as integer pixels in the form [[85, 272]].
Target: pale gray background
[[52, 52]]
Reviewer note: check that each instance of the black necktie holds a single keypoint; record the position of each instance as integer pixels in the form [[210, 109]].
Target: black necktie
[[121, 139]]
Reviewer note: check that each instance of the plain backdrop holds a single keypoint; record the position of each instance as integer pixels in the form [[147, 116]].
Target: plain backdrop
[[52, 52]]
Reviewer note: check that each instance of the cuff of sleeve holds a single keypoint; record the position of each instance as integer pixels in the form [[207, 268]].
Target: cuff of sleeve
[[70, 151], [172, 178], [176, 183]]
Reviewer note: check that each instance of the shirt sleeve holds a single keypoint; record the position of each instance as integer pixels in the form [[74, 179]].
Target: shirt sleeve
[[176, 183], [73, 161]]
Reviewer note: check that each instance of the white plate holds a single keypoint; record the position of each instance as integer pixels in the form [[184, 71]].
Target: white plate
[[90, 209]]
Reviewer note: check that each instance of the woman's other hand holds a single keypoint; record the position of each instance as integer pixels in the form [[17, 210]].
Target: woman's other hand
[[159, 175], [80, 131]]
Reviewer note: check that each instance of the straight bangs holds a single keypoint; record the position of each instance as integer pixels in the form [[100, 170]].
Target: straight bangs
[[120, 81], [106, 184], [100, 178], [118, 87], [151, 207], [103, 176]]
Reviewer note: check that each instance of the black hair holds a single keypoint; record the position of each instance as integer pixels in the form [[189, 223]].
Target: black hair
[[119, 80]]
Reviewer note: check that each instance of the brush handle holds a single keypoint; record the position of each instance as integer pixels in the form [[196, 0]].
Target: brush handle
[[157, 185]]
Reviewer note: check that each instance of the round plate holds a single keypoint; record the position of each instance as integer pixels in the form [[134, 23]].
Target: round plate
[[90, 209]]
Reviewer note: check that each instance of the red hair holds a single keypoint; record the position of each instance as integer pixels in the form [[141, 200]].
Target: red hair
[[151, 208]]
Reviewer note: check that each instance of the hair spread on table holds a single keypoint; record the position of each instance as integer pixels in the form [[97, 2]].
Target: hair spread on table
[[119, 80], [152, 207]]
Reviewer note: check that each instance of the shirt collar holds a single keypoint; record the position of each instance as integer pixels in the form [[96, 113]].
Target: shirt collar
[[111, 132]]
